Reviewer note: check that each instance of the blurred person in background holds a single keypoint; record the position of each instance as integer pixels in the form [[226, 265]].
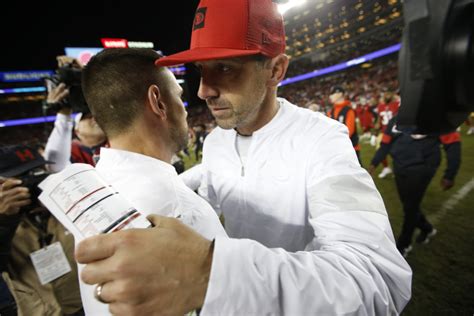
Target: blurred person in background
[[367, 117], [343, 112], [470, 124], [386, 110], [62, 148], [310, 233], [201, 133], [415, 160], [29, 234]]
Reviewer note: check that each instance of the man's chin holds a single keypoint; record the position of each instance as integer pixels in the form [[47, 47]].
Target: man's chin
[[225, 124]]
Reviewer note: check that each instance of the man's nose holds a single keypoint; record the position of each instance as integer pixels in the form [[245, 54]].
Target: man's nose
[[207, 88]]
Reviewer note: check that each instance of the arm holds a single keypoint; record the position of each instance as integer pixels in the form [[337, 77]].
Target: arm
[[452, 146], [351, 122], [58, 147], [193, 177], [387, 140], [381, 153], [351, 266]]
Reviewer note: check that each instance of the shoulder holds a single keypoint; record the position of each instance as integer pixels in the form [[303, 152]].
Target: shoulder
[[308, 124], [218, 136]]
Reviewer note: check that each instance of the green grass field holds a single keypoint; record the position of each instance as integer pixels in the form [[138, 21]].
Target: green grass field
[[443, 270]]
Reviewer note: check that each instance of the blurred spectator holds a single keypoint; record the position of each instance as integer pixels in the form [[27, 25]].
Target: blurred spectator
[[386, 110], [201, 133], [470, 124], [415, 160], [61, 147], [367, 116], [29, 234], [343, 112]]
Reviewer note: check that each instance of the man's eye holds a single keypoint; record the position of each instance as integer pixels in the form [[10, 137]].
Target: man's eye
[[224, 68]]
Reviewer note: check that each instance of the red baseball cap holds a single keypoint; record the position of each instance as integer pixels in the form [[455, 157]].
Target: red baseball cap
[[232, 28]]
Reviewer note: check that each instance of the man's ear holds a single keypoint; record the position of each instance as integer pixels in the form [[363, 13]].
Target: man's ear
[[279, 66], [155, 103]]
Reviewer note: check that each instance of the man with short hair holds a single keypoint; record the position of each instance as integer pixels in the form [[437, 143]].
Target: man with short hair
[[139, 108], [310, 233]]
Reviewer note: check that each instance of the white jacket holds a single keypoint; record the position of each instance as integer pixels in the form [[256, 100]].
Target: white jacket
[[152, 187], [310, 233]]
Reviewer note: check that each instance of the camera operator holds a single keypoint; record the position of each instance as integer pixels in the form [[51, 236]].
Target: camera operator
[[65, 98], [36, 252]]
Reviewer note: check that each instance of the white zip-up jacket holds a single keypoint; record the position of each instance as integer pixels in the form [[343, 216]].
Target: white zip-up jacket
[[310, 233]]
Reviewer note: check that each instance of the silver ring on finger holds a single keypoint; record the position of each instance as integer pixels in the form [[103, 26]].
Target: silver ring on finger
[[98, 293]]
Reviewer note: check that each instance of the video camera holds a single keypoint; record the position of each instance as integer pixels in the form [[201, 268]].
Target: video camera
[[436, 65], [71, 77], [27, 164]]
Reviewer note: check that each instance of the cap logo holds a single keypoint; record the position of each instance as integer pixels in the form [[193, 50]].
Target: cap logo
[[265, 39], [25, 155], [199, 18]]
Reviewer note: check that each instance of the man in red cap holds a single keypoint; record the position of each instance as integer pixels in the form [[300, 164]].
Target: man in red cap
[[310, 233]]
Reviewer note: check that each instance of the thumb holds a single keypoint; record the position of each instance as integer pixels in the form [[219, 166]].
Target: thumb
[[159, 221]]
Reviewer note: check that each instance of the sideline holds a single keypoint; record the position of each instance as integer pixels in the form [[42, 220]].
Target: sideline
[[451, 202]]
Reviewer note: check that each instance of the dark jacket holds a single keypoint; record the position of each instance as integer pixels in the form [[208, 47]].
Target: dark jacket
[[415, 151]]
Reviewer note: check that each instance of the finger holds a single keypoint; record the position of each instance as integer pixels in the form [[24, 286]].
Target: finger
[[21, 203], [19, 193], [122, 291], [14, 208], [98, 272], [63, 94], [119, 309], [10, 183], [161, 221], [17, 202], [96, 248]]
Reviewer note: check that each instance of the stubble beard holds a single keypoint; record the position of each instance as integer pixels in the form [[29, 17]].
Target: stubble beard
[[179, 136]]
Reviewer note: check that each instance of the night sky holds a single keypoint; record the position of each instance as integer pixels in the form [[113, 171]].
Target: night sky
[[33, 34]]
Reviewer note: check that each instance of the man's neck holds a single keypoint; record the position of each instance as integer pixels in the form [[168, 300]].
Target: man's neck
[[92, 141], [145, 145], [267, 112]]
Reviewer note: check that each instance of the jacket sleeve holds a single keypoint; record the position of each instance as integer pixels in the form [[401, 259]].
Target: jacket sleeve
[[452, 146], [8, 226], [386, 144], [351, 266], [193, 177], [351, 121], [58, 147]]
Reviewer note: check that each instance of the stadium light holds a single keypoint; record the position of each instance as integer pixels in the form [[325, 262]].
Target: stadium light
[[22, 90], [38, 120], [284, 7], [342, 66], [315, 73]]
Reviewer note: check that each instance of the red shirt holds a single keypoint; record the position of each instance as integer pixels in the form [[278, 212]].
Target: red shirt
[[84, 154], [386, 112], [366, 117]]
